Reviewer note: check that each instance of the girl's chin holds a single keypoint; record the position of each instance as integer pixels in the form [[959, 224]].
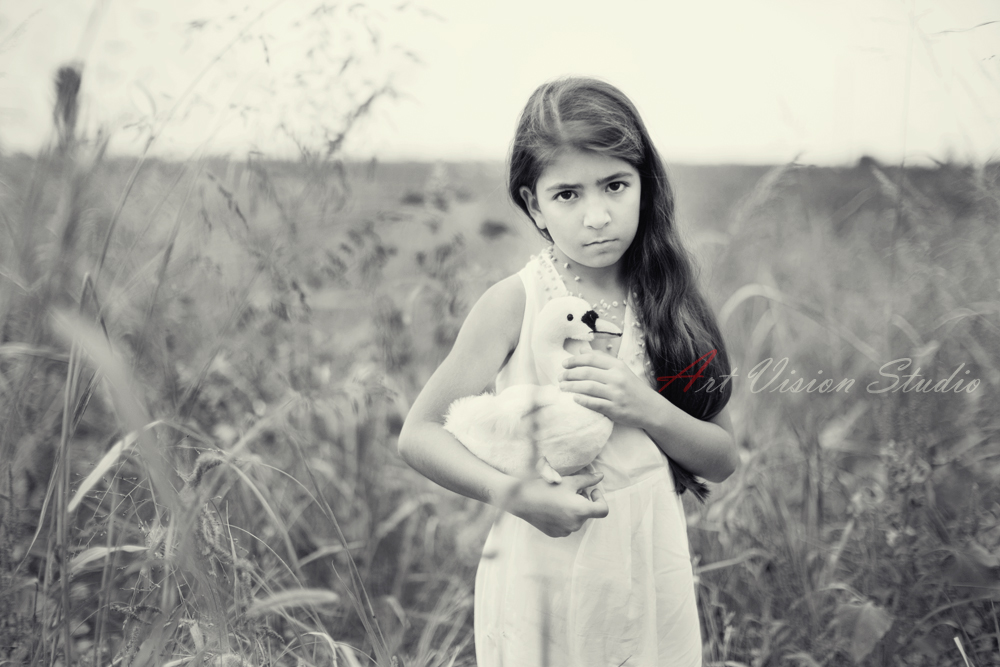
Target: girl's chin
[[596, 257], [603, 254]]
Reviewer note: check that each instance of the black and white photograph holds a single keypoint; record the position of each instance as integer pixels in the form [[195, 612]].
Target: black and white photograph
[[521, 334]]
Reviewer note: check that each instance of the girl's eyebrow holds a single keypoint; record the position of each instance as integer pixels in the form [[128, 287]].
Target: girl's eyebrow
[[607, 179]]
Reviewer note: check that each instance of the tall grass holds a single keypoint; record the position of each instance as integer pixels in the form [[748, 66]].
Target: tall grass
[[863, 526], [203, 366], [197, 403]]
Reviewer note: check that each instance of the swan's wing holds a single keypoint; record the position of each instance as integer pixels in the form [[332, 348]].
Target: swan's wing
[[570, 435], [499, 414], [520, 400], [496, 427]]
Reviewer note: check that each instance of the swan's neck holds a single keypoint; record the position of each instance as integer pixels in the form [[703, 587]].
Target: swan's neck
[[550, 355]]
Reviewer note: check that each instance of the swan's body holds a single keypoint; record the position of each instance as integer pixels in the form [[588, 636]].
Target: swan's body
[[528, 424]]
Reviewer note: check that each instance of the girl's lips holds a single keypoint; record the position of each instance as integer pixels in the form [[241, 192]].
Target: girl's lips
[[600, 242]]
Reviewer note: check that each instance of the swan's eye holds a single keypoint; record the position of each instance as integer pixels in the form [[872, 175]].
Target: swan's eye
[[570, 317]]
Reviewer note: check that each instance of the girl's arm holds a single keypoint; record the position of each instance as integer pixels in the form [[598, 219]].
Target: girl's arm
[[489, 333], [604, 383], [487, 336], [706, 448]]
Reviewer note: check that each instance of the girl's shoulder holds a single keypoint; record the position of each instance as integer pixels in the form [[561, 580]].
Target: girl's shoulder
[[500, 310], [511, 295], [507, 295]]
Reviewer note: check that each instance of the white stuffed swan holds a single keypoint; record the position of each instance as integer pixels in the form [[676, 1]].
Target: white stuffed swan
[[530, 427]]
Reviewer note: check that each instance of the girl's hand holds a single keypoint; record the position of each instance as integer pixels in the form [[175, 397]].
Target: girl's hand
[[605, 384], [559, 509]]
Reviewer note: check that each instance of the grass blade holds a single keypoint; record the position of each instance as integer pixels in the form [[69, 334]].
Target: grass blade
[[296, 597], [105, 464]]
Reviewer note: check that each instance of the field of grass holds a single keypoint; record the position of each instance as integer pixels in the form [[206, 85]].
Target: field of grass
[[204, 365]]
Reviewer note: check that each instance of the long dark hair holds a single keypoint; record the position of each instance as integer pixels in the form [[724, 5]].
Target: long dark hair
[[680, 329]]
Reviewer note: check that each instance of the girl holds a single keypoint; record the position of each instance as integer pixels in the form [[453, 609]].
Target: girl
[[594, 571]]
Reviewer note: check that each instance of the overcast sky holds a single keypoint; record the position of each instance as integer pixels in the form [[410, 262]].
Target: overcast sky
[[758, 81]]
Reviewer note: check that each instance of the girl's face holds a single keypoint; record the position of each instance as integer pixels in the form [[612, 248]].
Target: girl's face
[[589, 204]]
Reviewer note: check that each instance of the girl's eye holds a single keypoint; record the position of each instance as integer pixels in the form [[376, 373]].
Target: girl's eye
[[617, 186], [565, 195]]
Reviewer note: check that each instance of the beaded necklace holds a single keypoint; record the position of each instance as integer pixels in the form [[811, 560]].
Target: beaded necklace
[[604, 312], [641, 344]]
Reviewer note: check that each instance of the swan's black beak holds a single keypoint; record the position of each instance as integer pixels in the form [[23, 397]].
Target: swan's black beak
[[590, 318]]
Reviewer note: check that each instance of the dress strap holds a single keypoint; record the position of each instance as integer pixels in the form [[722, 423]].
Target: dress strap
[[548, 277]]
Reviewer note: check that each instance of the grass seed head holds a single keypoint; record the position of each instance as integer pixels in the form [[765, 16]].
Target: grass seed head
[[213, 536], [68, 80], [155, 539], [205, 462], [229, 660]]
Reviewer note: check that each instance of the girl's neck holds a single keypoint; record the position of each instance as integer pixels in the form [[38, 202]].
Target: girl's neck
[[606, 279]]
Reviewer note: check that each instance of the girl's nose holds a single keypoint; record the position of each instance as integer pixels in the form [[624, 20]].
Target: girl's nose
[[596, 215]]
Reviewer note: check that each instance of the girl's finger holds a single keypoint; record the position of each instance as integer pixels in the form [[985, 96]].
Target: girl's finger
[[587, 388], [589, 491], [601, 405], [583, 480], [600, 508], [584, 373], [597, 494], [589, 359]]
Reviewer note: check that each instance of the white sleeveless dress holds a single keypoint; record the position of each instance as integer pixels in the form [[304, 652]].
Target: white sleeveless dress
[[619, 591]]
